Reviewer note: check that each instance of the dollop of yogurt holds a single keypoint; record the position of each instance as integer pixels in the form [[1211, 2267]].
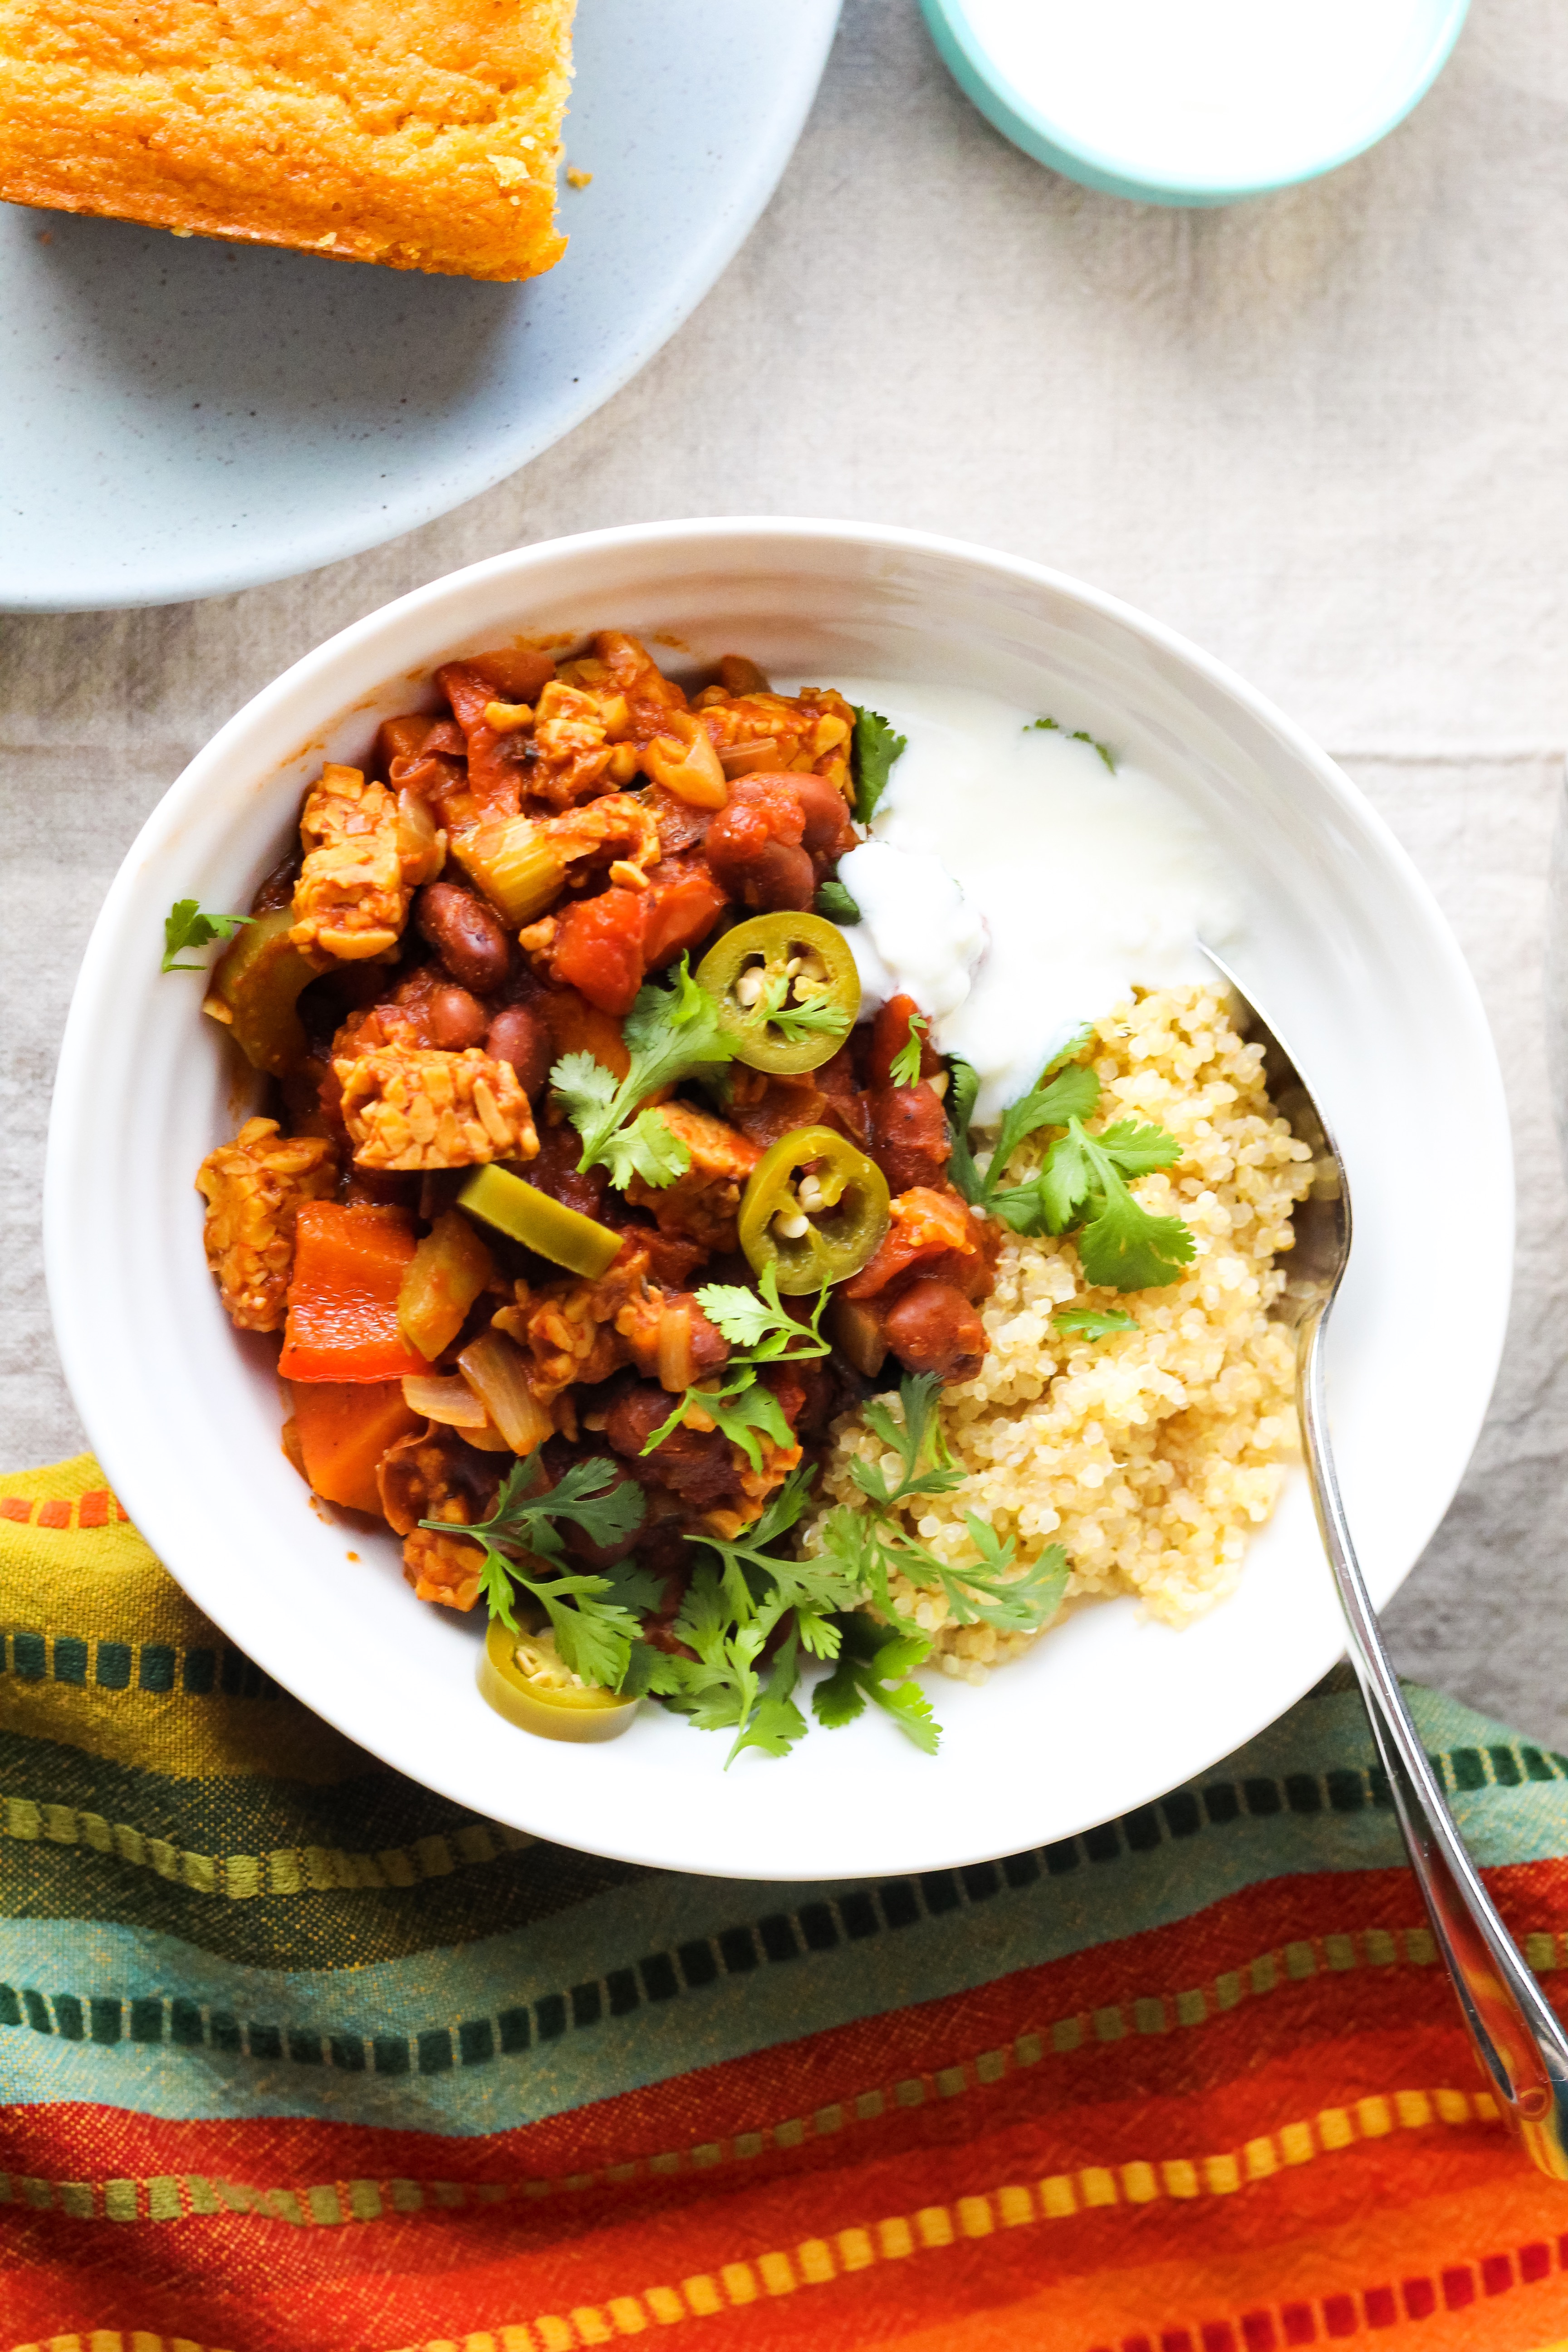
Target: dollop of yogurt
[[1016, 885], [918, 934]]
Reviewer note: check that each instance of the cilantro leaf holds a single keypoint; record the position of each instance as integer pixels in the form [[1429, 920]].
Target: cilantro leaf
[[963, 1085], [1078, 735], [1122, 1246], [732, 1611], [648, 1148], [748, 1317], [1138, 1150], [1093, 1322], [590, 1494], [1125, 1248], [873, 1664], [670, 1033], [767, 1334], [906, 1064], [774, 1723], [741, 1416], [186, 926], [1065, 1182], [649, 1672], [1072, 1094], [876, 747], [808, 1017], [834, 900], [853, 1540], [1066, 1090], [991, 1593], [917, 1440]]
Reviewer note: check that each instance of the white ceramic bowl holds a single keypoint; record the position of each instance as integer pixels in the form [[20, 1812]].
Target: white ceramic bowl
[[1344, 945]]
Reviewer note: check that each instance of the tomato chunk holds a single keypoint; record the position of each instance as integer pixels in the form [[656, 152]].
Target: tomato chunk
[[928, 1229], [599, 949], [682, 903]]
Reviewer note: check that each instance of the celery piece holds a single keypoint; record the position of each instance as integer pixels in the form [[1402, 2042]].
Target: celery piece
[[562, 1234]]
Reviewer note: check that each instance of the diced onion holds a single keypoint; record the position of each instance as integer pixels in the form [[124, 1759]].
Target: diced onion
[[684, 762], [451, 1401], [497, 1369], [748, 759], [421, 845], [676, 1368]]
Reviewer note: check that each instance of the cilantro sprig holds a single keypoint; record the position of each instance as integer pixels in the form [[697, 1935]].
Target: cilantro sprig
[[873, 1546], [594, 1618], [670, 1033], [1068, 1089], [1076, 735], [187, 926], [760, 1330], [734, 1606], [1081, 1187], [905, 1070], [875, 748]]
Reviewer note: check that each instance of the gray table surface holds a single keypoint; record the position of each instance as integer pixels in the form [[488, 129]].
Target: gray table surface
[[1323, 434]]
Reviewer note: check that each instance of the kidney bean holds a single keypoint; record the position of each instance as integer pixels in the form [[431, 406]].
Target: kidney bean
[[889, 1036], [737, 674], [696, 1466], [457, 1019], [555, 1171], [908, 1137], [933, 1328], [521, 1035], [466, 935], [754, 845], [517, 674], [680, 906], [276, 888], [826, 818]]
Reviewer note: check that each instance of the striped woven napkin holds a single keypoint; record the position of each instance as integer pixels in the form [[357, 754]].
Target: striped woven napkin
[[297, 2057]]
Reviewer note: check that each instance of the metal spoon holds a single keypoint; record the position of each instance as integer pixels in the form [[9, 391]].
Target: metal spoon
[[1521, 2047]]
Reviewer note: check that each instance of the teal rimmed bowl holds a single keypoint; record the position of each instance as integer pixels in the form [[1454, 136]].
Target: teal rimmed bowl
[[1194, 102]]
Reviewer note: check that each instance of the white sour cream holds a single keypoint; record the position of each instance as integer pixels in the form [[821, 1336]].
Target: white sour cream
[[1016, 888], [1211, 90]]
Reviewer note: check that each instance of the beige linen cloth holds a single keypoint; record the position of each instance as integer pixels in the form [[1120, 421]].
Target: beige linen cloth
[[1324, 434]]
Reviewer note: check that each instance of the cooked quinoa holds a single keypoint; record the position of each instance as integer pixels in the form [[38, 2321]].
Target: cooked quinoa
[[1150, 1455]]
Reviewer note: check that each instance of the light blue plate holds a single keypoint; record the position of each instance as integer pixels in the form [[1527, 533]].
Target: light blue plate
[[1185, 159], [180, 417]]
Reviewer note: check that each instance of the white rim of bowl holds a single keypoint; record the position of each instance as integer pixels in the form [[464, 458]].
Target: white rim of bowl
[[317, 1681]]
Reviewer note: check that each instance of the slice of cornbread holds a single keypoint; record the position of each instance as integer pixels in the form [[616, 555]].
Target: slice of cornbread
[[425, 135]]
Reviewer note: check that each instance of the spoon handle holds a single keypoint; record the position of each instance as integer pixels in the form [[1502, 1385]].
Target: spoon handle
[[1521, 2047]]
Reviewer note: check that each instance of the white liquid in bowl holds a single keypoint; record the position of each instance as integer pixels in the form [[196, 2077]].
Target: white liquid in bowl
[[1209, 91]]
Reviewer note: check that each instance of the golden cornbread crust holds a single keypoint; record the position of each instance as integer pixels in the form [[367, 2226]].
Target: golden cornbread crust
[[424, 136]]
